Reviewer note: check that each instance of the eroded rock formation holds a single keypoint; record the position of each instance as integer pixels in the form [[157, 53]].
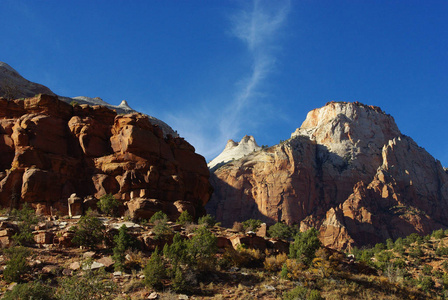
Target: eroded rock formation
[[51, 150], [347, 171]]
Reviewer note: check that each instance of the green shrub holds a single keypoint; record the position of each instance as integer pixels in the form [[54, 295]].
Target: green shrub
[[17, 266], [26, 217], [251, 224], [91, 285], [89, 231], [108, 204], [427, 269], [161, 228], [179, 283], [207, 220], [202, 244], [184, 218], [159, 216], [154, 271], [305, 246], [299, 292], [426, 283], [416, 252], [281, 231], [30, 291], [438, 234], [177, 251]]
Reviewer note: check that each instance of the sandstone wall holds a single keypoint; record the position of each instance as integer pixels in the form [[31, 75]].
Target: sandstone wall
[[51, 150]]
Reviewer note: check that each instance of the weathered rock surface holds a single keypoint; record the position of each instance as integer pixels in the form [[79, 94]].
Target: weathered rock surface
[[347, 171], [51, 150]]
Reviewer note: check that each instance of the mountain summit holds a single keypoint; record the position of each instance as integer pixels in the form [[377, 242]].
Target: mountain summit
[[347, 171], [234, 150]]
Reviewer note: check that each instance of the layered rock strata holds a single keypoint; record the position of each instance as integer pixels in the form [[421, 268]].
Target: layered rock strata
[[51, 150], [347, 171]]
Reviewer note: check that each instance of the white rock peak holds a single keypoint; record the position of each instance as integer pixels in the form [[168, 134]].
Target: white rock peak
[[234, 150]]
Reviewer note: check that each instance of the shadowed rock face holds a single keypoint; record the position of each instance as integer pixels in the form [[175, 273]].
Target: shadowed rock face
[[50, 150], [347, 171]]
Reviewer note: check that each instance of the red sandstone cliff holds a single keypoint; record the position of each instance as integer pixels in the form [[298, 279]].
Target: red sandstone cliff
[[347, 171], [50, 150]]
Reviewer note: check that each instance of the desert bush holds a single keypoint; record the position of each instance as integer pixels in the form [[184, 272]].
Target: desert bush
[[281, 231], [238, 226], [292, 269], [426, 283], [184, 218], [30, 291], [207, 220], [154, 271], [108, 204], [17, 265], [242, 257], [427, 270], [89, 231], [26, 217], [92, 285], [438, 234], [301, 292], [251, 225], [442, 251], [305, 246], [275, 263]]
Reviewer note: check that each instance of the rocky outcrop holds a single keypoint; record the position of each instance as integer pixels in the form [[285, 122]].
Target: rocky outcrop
[[347, 171], [51, 150], [234, 150]]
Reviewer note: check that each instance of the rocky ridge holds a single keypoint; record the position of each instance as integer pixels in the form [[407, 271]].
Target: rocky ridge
[[347, 171], [52, 150], [14, 86]]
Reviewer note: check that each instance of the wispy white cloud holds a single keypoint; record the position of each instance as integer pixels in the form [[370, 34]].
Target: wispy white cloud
[[256, 25]]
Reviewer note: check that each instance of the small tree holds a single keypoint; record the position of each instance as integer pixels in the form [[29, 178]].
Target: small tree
[[207, 220], [108, 204], [305, 246], [251, 225], [123, 241], [177, 251], [202, 248], [89, 231], [184, 218], [154, 271], [30, 290], [281, 231]]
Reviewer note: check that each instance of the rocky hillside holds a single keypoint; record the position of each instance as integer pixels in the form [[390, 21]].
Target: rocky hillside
[[347, 171], [51, 150], [234, 150]]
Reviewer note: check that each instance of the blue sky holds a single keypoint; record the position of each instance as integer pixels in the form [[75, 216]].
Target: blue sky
[[217, 70]]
